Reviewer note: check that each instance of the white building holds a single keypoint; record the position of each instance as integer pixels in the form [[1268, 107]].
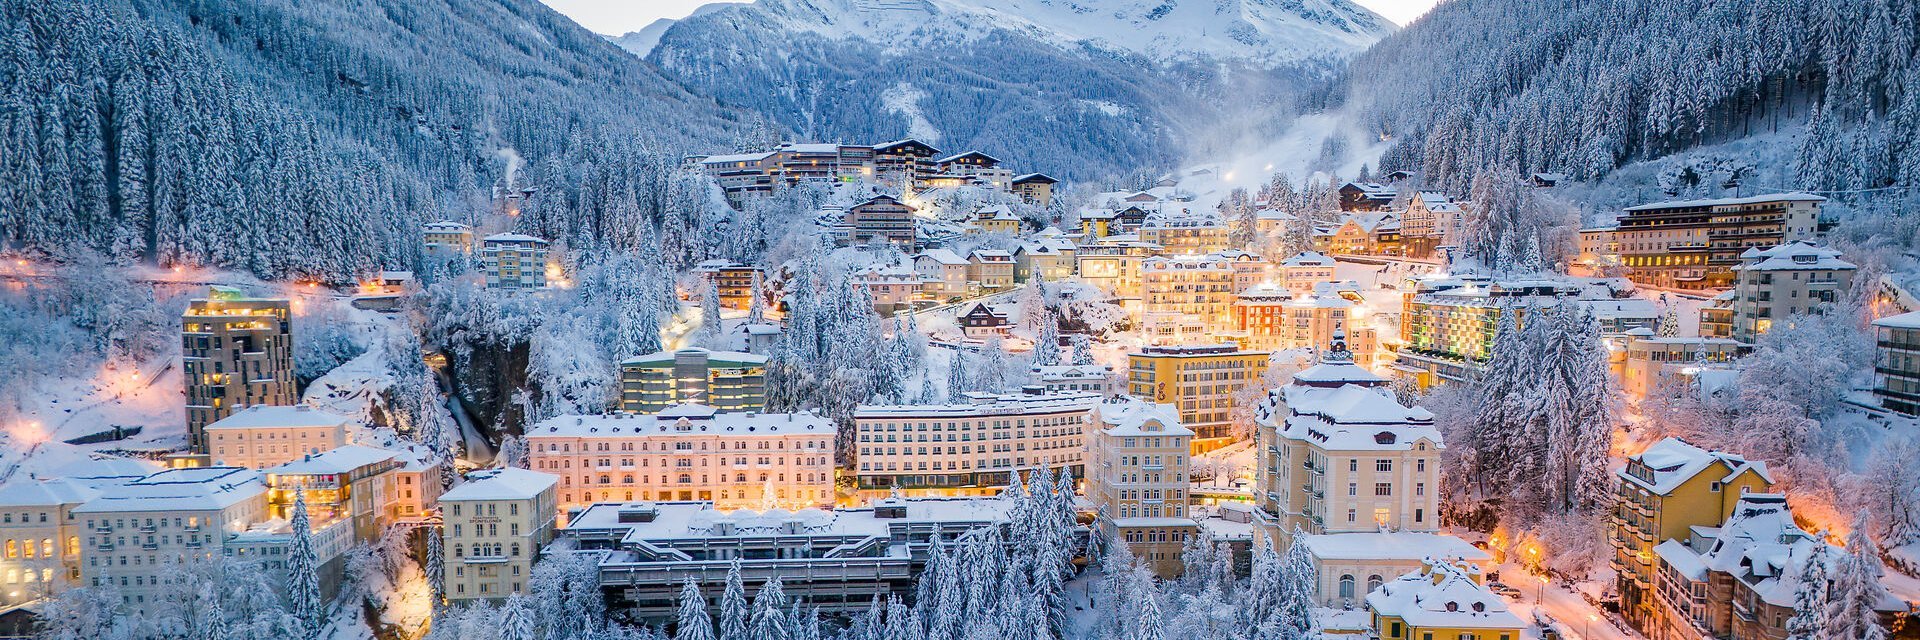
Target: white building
[[136, 536], [495, 525], [1351, 565], [1770, 285], [1339, 455], [262, 436], [41, 552], [1137, 465], [1062, 378], [970, 447], [689, 452]]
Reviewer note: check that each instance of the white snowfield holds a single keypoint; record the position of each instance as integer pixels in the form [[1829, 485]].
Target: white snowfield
[[1264, 32]]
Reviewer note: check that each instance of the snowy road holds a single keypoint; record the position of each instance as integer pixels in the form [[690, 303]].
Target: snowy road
[[1578, 619]]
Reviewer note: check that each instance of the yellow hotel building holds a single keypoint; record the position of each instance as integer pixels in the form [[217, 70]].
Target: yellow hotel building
[[1201, 380], [1663, 494]]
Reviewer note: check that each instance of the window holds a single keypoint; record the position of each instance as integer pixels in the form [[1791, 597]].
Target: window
[[1382, 488], [1383, 465], [1346, 586]]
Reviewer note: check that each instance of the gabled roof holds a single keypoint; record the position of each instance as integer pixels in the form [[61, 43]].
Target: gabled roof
[[1443, 595], [1040, 178], [1135, 417], [1308, 259], [942, 256], [968, 154], [887, 146], [502, 484], [1673, 462], [1793, 256]]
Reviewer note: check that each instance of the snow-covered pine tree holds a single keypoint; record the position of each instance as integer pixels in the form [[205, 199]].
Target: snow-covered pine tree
[[513, 451], [769, 621], [993, 373], [1046, 347], [957, 377], [1810, 597], [1670, 322], [1151, 625], [733, 606], [1082, 349], [712, 334], [692, 622], [1853, 612], [517, 619], [303, 572], [436, 572]]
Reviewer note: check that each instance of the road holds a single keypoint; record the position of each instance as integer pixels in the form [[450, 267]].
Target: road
[[1578, 619]]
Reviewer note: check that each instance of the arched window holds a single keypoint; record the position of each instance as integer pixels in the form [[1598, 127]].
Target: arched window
[[1373, 582], [1346, 586], [686, 479]]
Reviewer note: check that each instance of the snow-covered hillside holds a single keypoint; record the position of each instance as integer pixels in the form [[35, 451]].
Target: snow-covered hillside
[[1266, 32]]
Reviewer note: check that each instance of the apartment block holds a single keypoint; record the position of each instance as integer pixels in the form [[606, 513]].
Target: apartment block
[[1199, 379], [1036, 188], [1694, 244], [1665, 493], [514, 261], [969, 447], [1773, 284], [261, 436], [136, 536], [1186, 233], [723, 380], [1138, 459], [235, 352], [1896, 363], [881, 219], [689, 452], [990, 269], [1182, 294], [495, 525], [447, 237], [735, 283]]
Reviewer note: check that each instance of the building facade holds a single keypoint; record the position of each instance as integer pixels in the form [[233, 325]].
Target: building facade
[[235, 352], [1183, 293], [733, 460], [1442, 601], [881, 219], [1695, 244], [724, 380], [1664, 494], [1199, 379], [41, 538], [136, 536], [1896, 363], [494, 527], [447, 237], [969, 447], [1772, 284], [258, 437], [1138, 456], [514, 261]]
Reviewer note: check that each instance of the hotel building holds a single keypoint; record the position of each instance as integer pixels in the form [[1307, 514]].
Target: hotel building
[[1773, 284], [1695, 244], [447, 237], [235, 352], [514, 261], [261, 436], [1137, 464], [136, 536], [1664, 494], [495, 525], [1180, 294], [1896, 363], [41, 538], [1199, 379], [969, 447], [724, 380], [689, 452]]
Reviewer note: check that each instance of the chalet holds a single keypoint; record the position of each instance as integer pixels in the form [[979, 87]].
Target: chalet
[[980, 168], [982, 323], [1037, 188], [1098, 223], [1131, 217], [1371, 233], [904, 163], [1365, 196], [1547, 180], [996, 218], [880, 218]]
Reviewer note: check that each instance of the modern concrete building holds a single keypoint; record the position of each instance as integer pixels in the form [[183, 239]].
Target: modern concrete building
[[1772, 284], [262, 436], [495, 525], [688, 452], [236, 351], [514, 261], [724, 380], [880, 219], [1896, 363], [1694, 244], [971, 446], [1138, 459]]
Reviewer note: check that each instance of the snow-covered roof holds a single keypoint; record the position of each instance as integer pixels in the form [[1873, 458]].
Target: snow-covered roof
[[668, 522], [942, 256], [736, 157], [1135, 417], [45, 493], [1067, 371], [1792, 256], [447, 225], [1034, 177], [685, 419], [1339, 406], [1722, 202], [513, 237], [1270, 213], [189, 489], [979, 404], [1443, 595], [1392, 545], [338, 460], [717, 358], [1672, 462], [510, 483], [1265, 292], [811, 147], [967, 154], [1676, 554], [264, 416], [991, 255], [1909, 320], [1760, 546], [102, 470], [1308, 259], [1612, 309]]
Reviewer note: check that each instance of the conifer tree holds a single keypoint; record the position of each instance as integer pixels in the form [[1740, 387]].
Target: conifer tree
[[303, 572]]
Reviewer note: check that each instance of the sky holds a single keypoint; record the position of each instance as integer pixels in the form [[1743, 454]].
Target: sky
[[615, 17]]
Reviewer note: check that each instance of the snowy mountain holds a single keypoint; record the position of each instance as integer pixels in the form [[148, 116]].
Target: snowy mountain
[[1079, 89], [1263, 32]]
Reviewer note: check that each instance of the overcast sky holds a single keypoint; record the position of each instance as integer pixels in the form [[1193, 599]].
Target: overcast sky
[[615, 17]]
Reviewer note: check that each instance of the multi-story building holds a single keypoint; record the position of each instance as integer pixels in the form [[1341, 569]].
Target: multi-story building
[[1425, 224], [734, 282], [1036, 188], [1770, 285], [904, 164], [1137, 463], [1695, 244], [514, 261], [990, 269], [1186, 233], [1739, 579], [1272, 319], [1048, 256], [1443, 601], [136, 536], [354, 483], [1371, 234], [891, 287], [1896, 363], [448, 237], [724, 380], [1654, 366], [1305, 270], [258, 437], [996, 218], [1447, 325], [760, 172], [1185, 291], [41, 538], [1366, 196], [1199, 379], [983, 322], [1351, 565], [1091, 378], [971, 446], [494, 527], [879, 219], [977, 167], [690, 452], [1664, 494], [1249, 269], [943, 274], [235, 352], [1114, 265], [838, 561], [1339, 455]]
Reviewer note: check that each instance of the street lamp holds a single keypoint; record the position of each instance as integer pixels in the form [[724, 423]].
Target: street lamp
[[1540, 593], [1589, 622]]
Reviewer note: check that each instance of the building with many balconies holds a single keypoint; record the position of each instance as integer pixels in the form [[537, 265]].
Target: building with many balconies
[[235, 352], [1201, 380], [1773, 284], [1665, 493], [724, 380], [1138, 456]]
